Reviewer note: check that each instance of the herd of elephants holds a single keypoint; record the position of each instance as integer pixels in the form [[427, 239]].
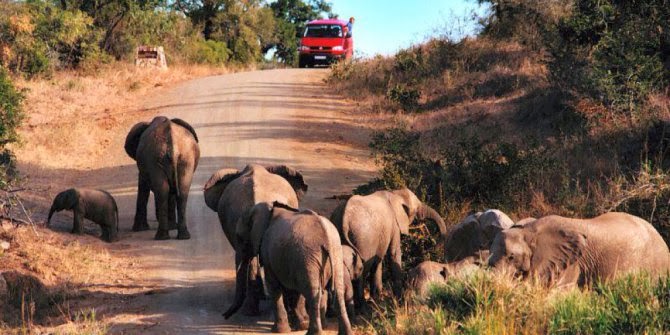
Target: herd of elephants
[[307, 258]]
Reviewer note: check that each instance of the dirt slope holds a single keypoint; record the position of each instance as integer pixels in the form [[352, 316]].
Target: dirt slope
[[268, 117]]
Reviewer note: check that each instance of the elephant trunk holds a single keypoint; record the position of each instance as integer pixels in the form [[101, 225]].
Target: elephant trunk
[[51, 213], [425, 212], [240, 287]]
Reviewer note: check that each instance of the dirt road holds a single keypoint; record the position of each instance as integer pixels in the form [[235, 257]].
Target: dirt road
[[268, 117]]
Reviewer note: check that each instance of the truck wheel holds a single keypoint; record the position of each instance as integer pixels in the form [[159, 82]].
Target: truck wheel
[[302, 63]]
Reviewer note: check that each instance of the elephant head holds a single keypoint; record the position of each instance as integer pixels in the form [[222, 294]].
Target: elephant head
[[473, 236], [352, 262], [292, 176], [545, 253], [216, 184], [65, 200], [407, 207], [135, 133]]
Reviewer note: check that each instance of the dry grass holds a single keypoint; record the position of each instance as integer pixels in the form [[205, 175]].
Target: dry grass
[[72, 117], [64, 267], [75, 121]]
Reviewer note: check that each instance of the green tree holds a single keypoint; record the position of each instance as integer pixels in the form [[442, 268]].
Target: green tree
[[245, 26], [615, 51], [292, 17]]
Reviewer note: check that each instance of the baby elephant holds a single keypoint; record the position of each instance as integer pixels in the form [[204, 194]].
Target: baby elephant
[[95, 205], [428, 272], [353, 271]]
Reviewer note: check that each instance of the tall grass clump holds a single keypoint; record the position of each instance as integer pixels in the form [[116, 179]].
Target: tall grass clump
[[487, 303]]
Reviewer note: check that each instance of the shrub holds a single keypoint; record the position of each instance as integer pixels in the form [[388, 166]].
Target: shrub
[[406, 97], [11, 116], [499, 174], [613, 51], [209, 52]]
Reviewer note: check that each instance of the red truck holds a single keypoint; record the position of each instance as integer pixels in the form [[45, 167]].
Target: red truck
[[325, 41]]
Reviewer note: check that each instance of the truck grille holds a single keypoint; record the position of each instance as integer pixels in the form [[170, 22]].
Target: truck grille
[[320, 48]]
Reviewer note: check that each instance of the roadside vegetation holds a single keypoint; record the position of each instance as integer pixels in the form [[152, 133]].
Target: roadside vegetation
[[67, 85], [557, 107]]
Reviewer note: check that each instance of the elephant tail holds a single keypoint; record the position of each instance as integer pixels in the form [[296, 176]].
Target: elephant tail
[[172, 173], [336, 286]]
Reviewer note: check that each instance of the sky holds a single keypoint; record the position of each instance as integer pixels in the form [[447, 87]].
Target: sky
[[386, 26]]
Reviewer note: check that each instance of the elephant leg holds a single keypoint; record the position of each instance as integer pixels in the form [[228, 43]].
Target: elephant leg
[[295, 306], [394, 258], [143, 189], [254, 290], [161, 196], [172, 211], [376, 283], [105, 234], [359, 292], [323, 308], [77, 223], [281, 317], [314, 311], [301, 313], [183, 233]]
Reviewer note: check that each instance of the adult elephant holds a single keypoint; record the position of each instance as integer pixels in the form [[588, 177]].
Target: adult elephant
[[167, 154], [372, 226], [300, 252], [562, 252], [472, 237], [232, 193]]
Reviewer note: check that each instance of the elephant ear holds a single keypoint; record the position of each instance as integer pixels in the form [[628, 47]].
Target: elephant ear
[[400, 212], [554, 250], [463, 240], [133, 138], [216, 185], [187, 126], [292, 176]]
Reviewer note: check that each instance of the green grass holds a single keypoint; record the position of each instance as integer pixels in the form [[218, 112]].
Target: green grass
[[486, 303]]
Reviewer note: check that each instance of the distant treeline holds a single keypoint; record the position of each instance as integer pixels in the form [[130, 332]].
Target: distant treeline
[[39, 36]]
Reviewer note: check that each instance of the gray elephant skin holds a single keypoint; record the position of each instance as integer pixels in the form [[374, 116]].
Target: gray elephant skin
[[426, 273], [372, 226], [353, 272], [472, 237], [167, 153], [232, 194], [95, 205], [561, 251], [300, 251]]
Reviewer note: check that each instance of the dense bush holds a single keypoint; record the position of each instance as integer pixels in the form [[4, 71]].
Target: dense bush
[[11, 116], [486, 174], [209, 52], [615, 51]]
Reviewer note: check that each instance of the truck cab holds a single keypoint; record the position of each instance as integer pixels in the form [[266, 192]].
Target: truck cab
[[325, 41]]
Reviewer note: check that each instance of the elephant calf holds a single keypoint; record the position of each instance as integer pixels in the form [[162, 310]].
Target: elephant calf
[[301, 253], [423, 275], [95, 205], [353, 272], [472, 237]]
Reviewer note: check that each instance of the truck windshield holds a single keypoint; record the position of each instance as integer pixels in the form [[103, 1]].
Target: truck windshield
[[323, 30]]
